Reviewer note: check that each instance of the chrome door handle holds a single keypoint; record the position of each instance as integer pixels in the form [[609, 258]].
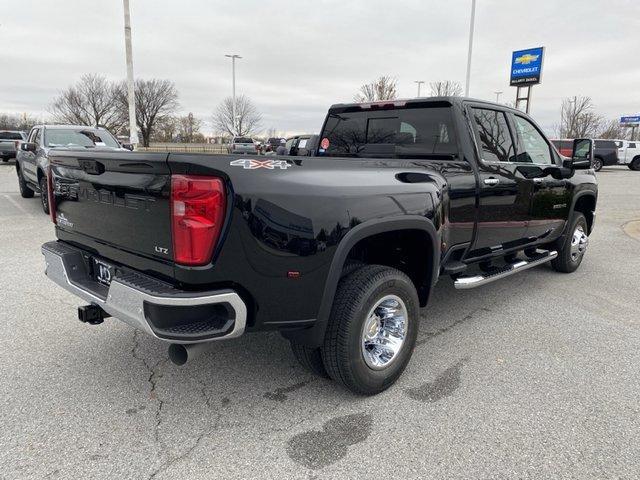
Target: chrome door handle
[[538, 180], [491, 181]]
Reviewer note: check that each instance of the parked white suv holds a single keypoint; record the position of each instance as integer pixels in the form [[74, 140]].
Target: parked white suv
[[629, 153]]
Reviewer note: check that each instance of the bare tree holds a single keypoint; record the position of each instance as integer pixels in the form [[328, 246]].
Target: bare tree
[[189, 127], [383, 88], [446, 88], [91, 101], [13, 121], [613, 130], [247, 120], [578, 119], [156, 100], [166, 129]]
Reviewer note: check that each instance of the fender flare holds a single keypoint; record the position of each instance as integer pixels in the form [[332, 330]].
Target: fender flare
[[577, 197], [314, 336]]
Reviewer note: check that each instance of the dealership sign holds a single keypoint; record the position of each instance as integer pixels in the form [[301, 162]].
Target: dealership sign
[[526, 67], [632, 120]]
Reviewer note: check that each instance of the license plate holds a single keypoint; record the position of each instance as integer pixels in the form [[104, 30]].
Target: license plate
[[103, 271]]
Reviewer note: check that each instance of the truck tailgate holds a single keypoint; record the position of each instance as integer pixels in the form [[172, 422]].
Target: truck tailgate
[[118, 199]]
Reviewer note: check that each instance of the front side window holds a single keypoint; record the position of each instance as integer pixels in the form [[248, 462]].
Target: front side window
[[32, 135], [494, 134], [533, 148], [409, 132], [38, 138]]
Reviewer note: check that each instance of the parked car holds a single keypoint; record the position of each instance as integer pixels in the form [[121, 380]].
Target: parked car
[[272, 144], [10, 141], [301, 145], [564, 146], [629, 153], [242, 145], [605, 152], [338, 253], [32, 161]]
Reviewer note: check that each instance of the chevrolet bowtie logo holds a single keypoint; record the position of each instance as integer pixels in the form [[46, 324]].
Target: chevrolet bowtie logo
[[526, 59]]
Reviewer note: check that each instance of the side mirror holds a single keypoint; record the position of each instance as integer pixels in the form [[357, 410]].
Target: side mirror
[[28, 147], [128, 146], [582, 154]]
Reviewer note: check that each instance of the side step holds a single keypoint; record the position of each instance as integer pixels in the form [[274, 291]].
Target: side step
[[465, 283]]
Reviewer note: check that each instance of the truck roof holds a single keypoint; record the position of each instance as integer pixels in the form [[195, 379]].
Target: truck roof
[[68, 127], [408, 101]]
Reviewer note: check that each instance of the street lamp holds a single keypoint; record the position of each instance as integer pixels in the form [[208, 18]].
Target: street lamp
[[133, 128], [498, 93], [233, 105], [419, 82], [473, 17]]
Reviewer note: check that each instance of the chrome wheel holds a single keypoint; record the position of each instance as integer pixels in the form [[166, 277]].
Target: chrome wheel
[[579, 243], [384, 332]]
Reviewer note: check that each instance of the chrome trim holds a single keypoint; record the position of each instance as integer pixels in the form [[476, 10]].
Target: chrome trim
[[465, 283], [384, 331], [491, 181], [127, 303]]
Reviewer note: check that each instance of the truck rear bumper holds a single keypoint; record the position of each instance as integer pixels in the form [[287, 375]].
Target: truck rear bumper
[[145, 303]]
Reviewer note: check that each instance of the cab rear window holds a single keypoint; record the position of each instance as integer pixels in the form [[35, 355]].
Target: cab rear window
[[423, 132]]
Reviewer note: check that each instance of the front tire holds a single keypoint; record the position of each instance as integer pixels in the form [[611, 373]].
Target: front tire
[[574, 246], [597, 164], [44, 197], [25, 191], [372, 329]]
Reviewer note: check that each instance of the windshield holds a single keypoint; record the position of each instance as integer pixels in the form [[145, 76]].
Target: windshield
[[88, 138], [10, 136], [418, 132]]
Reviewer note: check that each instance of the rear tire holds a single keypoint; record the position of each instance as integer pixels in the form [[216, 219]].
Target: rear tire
[[635, 164], [574, 246], [25, 191], [372, 329], [310, 358], [597, 164], [44, 196]]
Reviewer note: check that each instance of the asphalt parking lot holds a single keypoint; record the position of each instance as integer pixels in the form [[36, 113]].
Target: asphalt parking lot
[[535, 376]]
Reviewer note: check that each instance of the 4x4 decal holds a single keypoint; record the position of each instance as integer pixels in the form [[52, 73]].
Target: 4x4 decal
[[253, 164]]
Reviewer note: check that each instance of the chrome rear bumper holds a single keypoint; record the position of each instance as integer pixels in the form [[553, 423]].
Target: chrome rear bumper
[[139, 299]]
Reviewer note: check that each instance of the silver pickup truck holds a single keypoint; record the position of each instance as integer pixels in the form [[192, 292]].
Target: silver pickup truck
[[10, 141]]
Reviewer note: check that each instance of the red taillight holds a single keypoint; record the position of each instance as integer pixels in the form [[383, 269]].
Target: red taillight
[[51, 196], [17, 144], [197, 214]]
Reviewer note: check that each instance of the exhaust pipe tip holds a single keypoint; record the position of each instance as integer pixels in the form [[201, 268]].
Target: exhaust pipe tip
[[178, 354]]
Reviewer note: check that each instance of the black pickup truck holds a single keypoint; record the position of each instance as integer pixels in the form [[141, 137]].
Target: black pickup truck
[[337, 251]]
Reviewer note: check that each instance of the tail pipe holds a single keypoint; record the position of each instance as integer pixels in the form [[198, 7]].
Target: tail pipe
[[179, 353]]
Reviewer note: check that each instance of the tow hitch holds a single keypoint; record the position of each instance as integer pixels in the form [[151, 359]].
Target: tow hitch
[[92, 314]]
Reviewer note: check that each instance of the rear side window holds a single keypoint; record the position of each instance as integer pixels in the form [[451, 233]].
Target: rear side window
[[10, 136], [494, 135], [605, 144], [632, 145], [419, 132]]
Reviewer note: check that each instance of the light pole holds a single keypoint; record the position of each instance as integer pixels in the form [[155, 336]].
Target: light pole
[[233, 105], [471, 26], [419, 82], [498, 96], [133, 129]]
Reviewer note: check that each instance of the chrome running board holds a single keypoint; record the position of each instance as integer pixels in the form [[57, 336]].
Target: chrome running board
[[465, 283]]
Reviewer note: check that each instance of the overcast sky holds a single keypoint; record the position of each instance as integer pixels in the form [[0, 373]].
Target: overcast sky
[[299, 57]]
